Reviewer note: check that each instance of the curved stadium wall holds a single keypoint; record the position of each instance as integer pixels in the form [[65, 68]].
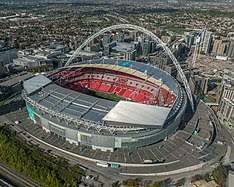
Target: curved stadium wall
[[108, 138]]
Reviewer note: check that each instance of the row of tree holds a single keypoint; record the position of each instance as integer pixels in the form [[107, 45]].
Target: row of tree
[[44, 169], [138, 182], [219, 175]]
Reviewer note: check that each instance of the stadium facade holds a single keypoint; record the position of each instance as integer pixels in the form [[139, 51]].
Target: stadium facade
[[107, 104]]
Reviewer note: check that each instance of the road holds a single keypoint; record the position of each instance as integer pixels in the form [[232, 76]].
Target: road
[[16, 178], [225, 135]]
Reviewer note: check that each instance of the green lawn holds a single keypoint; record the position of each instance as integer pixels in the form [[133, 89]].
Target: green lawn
[[108, 96]]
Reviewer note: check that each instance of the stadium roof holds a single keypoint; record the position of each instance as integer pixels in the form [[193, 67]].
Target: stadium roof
[[127, 112], [13, 80], [35, 83], [72, 103]]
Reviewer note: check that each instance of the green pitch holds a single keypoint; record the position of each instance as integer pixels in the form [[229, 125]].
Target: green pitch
[[108, 96]]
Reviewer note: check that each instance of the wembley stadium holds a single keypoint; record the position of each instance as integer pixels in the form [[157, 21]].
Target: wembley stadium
[[107, 104], [129, 113]]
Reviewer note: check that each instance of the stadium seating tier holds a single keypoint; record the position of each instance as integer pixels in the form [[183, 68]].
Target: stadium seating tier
[[126, 86]]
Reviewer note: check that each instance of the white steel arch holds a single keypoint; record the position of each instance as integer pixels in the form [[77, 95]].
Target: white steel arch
[[147, 32]]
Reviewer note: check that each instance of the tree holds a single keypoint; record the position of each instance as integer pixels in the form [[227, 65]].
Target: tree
[[220, 174], [116, 184], [44, 169], [196, 178], [154, 185], [180, 182], [130, 183]]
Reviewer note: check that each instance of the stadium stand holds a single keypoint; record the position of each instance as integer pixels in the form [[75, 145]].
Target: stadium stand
[[121, 84]]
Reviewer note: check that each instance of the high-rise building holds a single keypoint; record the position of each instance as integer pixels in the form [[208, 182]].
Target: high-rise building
[[217, 43], [139, 39], [231, 50], [223, 50], [120, 37], [226, 103], [146, 47], [138, 48], [133, 35], [190, 40], [206, 47], [198, 85], [106, 39], [108, 47], [221, 47], [161, 61], [152, 47]]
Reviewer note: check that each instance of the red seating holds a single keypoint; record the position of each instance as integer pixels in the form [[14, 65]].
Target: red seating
[[127, 93], [121, 93], [124, 85], [170, 99], [104, 87], [139, 97], [163, 93], [94, 84], [117, 89], [112, 89]]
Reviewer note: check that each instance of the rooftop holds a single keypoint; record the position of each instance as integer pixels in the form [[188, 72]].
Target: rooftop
[[16, 79], [127, 112], [35, 83], [124, 47], [72, 103]]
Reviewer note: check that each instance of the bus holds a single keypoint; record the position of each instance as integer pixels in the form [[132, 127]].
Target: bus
[[148, 161], [103, 164]]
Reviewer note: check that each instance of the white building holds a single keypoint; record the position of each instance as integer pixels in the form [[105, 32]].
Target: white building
[[207, 42], [226, 105]]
